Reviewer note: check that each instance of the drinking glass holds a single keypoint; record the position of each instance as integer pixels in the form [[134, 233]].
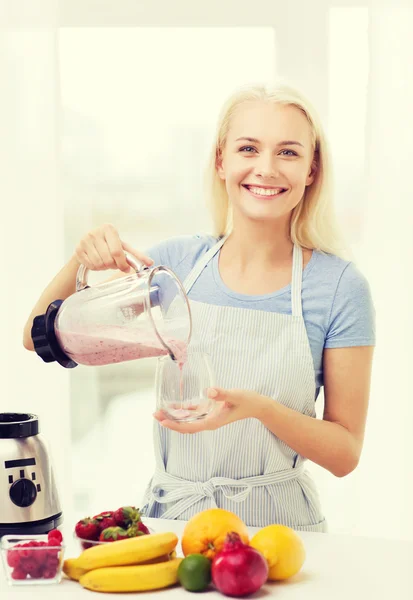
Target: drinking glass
[[181, 387]]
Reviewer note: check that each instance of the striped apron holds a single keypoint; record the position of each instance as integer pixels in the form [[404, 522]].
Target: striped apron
[[243, 467]]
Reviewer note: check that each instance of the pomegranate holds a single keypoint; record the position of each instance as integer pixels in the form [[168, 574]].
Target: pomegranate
[[239, 569]]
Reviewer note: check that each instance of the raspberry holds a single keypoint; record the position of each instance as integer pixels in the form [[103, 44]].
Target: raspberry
[[55, 537], [13, 558], [30, 566], [37, 573], [18, 573], [49, 574], [42, 553], [25, 552], [52, 563]]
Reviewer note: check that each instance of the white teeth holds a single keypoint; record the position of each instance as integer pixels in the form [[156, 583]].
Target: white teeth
[[265, 191]]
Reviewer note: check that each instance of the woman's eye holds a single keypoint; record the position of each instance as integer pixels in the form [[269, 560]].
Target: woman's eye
[[248, 149], [290, 152]]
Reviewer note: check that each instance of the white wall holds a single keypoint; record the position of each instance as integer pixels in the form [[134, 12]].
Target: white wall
[[31, 240], [387, 256]]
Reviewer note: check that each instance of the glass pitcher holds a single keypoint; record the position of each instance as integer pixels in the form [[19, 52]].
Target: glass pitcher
[[144, 314]]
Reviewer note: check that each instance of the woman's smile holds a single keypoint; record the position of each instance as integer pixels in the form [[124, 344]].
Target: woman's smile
[[264, 192]]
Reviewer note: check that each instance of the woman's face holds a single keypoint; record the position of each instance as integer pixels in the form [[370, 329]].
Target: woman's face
[[267, 160]]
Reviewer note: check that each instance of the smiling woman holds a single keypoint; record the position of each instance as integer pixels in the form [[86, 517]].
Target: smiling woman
[[279, 313]]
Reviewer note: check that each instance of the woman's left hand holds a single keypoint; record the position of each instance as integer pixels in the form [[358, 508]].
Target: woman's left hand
[[231, 405]]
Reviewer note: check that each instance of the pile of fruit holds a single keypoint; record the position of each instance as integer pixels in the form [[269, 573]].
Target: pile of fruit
[[217, 550], [139, 563], [111, 526], [36, 559]]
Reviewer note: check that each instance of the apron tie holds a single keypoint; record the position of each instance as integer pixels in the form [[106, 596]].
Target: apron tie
[[183, 493]]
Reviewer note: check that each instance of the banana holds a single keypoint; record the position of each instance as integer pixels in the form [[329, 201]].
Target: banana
[[133, 578], [71, 569], [159, 559], [131, 551]]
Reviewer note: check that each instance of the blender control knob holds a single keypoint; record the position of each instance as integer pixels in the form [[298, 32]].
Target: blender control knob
[[23, 492]]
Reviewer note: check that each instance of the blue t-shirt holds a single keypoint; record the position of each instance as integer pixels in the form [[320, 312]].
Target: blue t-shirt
[[337, 306]]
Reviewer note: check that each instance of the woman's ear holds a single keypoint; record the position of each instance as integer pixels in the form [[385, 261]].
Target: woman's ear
[[219, 164], [313, 170]]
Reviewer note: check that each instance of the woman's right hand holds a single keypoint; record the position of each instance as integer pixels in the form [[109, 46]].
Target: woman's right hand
[[102, 249]]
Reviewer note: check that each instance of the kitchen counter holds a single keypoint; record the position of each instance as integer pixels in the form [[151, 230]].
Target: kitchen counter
[[337, 567]]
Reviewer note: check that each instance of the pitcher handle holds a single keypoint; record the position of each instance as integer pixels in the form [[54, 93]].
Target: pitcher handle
[[82, 272]]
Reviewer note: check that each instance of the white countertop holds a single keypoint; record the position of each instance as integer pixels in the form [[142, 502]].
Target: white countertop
[[337, 567]]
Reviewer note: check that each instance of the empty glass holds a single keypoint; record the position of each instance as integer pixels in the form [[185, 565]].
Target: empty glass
[[181, 388]]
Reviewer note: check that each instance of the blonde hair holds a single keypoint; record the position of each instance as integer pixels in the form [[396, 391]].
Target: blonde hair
[[313, 223]]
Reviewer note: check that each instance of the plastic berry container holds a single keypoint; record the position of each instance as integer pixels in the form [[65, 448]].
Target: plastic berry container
[[32, 559]]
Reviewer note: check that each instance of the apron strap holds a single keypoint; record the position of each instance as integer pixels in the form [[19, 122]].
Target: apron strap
[[296, 281], [201, 264]]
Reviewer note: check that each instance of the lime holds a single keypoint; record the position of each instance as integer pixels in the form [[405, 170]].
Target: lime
[[194, 573]]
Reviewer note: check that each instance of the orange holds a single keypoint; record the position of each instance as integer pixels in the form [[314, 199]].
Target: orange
[[205, 533], [283, 549]]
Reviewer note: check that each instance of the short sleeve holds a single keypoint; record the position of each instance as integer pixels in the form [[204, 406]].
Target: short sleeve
[[180, 253], [160, 253], [352, 319]]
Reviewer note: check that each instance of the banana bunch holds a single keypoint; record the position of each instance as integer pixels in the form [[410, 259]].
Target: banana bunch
[[147, 562]]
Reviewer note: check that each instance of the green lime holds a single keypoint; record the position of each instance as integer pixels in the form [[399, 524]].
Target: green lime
[[194, 572]]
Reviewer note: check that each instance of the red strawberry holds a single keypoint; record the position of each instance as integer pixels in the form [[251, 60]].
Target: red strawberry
[[55, 537], [112, 534], [126, 515], [87, 529], [143, 528], [137, 529], [105, 520], [105, 513]]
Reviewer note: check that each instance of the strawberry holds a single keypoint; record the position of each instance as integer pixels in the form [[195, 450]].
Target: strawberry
[[112, 534], [143, 528], [137, 529], [105, 520], [87, 529], [126, 515]]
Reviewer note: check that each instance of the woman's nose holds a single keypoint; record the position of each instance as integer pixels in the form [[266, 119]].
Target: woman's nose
[[267, 167]]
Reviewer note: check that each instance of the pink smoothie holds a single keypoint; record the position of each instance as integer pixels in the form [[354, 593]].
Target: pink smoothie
[[105, 345]]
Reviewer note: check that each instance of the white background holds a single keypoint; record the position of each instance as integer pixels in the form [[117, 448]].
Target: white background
[[96, 126]]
